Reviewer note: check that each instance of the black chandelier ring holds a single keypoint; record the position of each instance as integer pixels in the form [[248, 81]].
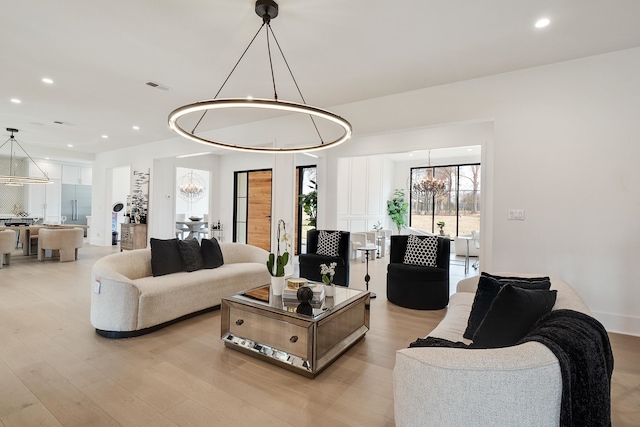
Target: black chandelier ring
[[269, 104]]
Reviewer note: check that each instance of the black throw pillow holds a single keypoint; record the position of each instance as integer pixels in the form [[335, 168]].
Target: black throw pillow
[[190, 254], [511, 315], [211, 253], [488, 287], [165, 257]]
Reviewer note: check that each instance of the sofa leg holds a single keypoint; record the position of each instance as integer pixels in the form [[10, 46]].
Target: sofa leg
[[41, 254]]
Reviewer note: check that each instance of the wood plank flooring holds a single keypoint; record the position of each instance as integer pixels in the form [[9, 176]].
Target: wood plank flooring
[[55, 371]]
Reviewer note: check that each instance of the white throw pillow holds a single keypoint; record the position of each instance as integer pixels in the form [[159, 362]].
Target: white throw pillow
[[421, 251], [328, 243]]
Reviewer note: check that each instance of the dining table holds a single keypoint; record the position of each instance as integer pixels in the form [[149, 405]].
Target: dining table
[[194, 228]]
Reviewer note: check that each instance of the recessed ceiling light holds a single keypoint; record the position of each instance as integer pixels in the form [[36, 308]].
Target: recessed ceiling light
[[47, 80], [105, 136], [136, 128], [542, 22], [46, 158], [70, 145], [15, 100]]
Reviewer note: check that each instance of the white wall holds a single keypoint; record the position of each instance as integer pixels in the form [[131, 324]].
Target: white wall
[[365, 181], [564, 150], [563, 147]]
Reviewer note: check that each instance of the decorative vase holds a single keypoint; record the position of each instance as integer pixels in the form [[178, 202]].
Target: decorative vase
[[277, 285], [305, 308], [304, 294], [329, 290]]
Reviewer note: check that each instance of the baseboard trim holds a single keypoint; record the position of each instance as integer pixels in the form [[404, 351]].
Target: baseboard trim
[[620, 324], [139, 332]]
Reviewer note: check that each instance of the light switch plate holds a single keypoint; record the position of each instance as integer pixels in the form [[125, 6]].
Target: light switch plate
[[516, 214]]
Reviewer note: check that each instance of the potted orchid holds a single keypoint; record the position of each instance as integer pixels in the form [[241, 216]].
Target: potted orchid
[[327, 278]]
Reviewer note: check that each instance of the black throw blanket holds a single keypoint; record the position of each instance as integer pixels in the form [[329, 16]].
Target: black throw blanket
[[581, 345]]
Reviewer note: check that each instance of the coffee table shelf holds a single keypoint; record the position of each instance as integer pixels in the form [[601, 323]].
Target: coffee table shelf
[[306, 344]]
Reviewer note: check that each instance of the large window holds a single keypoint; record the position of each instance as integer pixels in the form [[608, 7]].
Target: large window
[[449, 194]]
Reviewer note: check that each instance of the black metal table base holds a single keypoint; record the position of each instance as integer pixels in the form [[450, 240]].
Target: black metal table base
[[366, 276]]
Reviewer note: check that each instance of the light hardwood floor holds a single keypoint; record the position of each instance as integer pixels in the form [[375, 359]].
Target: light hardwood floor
[[54, 370]]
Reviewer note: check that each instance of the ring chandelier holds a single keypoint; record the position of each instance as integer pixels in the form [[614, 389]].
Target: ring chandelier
[[14, 180], [267, 10]]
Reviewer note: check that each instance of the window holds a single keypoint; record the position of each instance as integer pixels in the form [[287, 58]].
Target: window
[[307, 205], [449, 194]]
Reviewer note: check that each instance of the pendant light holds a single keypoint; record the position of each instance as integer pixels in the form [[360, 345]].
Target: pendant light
[[13, 179], [267, 10]]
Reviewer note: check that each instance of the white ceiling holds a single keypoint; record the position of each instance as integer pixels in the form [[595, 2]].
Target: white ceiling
[[101, 54]]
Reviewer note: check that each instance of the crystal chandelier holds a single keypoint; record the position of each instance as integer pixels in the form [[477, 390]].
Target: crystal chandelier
[[13, 179], [191, 187]]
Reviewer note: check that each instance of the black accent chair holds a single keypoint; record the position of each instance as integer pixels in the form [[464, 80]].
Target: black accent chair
[[310, 262], [414, 286]]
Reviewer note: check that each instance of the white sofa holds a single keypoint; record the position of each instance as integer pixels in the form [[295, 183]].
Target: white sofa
[[127, 301], [512, 386]]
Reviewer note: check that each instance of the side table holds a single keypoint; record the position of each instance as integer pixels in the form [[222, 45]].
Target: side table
[[367, 250]]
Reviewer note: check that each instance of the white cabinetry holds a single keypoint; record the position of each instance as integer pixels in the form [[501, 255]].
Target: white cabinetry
[[86, 176], [77, 175], [53, 170], [44, 201]]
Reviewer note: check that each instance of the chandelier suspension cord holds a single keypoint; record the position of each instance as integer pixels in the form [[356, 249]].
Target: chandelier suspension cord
[[25, 152], [12, 139], [10, 153], [225, 80], [294, 79], [267, 20]]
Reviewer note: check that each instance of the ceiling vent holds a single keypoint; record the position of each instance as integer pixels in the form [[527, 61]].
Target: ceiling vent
[[58, 122], [157, 85]]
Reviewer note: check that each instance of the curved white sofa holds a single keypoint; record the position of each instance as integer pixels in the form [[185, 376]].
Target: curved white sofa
[[512, 386], [127, 301]]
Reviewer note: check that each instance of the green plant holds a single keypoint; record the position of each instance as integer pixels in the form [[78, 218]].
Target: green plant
[[377, 226], [277, 262], [440, 224], [309, 203], [397, 209]]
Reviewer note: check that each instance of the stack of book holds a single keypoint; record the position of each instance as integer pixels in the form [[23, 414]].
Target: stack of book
[[290, 295]]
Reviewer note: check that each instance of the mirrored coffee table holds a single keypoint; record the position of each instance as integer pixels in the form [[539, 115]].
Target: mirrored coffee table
[[267, 327]]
